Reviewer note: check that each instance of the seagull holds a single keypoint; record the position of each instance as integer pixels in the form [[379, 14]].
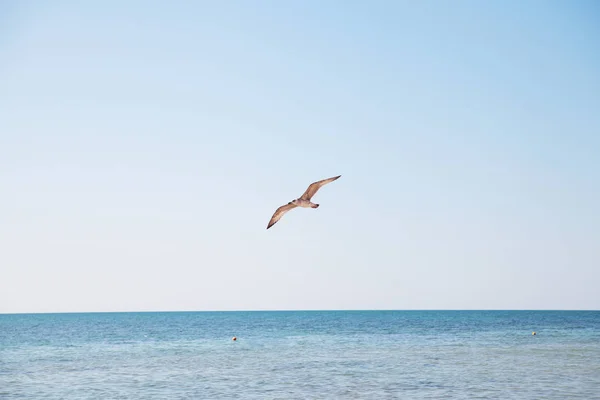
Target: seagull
[[302, 201]]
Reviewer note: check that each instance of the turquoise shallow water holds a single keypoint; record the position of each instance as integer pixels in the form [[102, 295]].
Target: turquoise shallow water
[[302, 355]]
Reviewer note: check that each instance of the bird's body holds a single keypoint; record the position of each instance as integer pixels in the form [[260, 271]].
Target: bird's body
[[302, 201]]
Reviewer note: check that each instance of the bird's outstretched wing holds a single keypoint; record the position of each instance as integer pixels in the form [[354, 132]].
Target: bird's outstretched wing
[[279, 213], [313, 187]]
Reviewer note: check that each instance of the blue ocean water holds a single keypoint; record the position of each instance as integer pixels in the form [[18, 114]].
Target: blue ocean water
[[301, 355]]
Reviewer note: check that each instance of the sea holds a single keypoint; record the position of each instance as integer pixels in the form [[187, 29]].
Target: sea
[[301, 355]]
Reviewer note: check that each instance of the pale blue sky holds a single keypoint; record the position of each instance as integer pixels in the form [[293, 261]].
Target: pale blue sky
[[145, 145]]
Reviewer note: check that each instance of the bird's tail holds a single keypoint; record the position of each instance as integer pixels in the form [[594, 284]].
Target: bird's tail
[[314, 205]]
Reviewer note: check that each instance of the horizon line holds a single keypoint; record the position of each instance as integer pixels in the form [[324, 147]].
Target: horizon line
[[296, 310]]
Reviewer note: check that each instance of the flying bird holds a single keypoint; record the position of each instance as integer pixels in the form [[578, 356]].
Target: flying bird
[[302, 201]]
